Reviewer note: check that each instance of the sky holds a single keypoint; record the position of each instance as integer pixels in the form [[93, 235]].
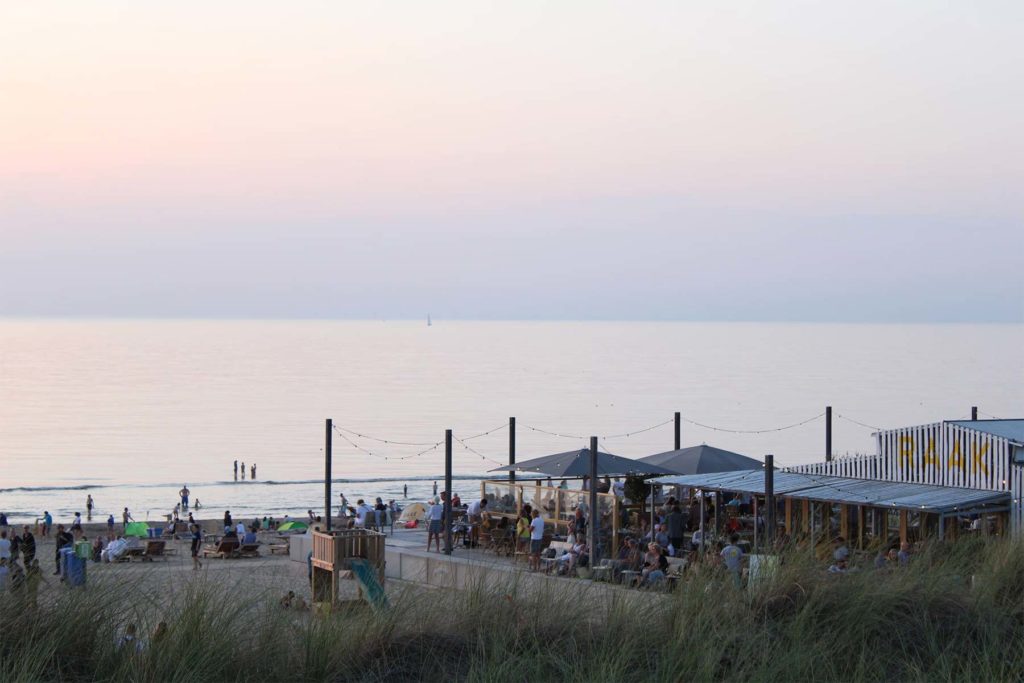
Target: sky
[[676, 160]]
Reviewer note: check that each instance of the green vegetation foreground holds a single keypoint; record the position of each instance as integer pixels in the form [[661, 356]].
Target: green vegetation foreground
[[957, 613]]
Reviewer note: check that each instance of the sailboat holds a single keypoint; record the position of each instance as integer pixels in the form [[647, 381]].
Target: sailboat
[[428, 320]]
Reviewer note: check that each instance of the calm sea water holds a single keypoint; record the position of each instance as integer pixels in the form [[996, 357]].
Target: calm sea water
[[130, 410]]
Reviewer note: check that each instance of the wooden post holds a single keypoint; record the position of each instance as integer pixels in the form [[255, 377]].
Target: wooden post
[[511, 449], [860, 527], [844, 522], [805, 515], [595, 518], [789, 516], [448, 492], [327, 472], [769, 501], [904, 531], [828, 433], [942, 527], [679, 431]]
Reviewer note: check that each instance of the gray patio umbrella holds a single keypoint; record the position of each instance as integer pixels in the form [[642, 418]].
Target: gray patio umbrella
[[577, 464], [702, 459]]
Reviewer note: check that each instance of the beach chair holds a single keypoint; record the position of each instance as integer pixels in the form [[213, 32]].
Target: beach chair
[[226, 548], [249, 550], [154, 548]]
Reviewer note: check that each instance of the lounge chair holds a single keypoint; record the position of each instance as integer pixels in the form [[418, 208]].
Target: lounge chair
[[153, 549], [226, 548], [249, 550]]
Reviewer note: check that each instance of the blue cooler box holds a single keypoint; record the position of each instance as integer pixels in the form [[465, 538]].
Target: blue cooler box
[[72, 567]]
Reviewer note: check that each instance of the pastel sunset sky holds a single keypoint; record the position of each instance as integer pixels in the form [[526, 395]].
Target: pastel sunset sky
[[657, 160]]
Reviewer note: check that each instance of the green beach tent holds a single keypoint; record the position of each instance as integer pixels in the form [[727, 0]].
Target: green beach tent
[[293, 526], [136, 529]]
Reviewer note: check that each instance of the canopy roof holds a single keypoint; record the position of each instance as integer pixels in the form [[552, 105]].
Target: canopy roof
[[577, 464], [921, 497], [702, 459]]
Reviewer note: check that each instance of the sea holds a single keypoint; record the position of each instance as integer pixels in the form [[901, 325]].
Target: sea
[[129, 411]]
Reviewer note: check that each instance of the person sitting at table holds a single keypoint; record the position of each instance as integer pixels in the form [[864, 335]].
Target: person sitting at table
[[572, 558], [655, 565], [249, 537], [230, 532]]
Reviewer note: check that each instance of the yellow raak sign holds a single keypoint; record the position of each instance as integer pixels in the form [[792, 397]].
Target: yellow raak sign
[[931, 458]]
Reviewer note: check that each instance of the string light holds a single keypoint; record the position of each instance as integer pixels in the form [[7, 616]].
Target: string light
[[753, 431], [860, 424], [474, 451]]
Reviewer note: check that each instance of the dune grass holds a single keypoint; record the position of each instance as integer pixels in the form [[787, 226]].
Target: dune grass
[[957, 613]]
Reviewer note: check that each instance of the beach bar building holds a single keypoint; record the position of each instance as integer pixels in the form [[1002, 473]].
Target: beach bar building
[[930, 480], [985, 455]]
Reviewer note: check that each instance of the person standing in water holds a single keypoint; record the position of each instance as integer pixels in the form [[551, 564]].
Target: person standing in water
[[405, 491], [435, 488], [243, 470], [236, 470], [253, 472], [88, 506], [184, 496]]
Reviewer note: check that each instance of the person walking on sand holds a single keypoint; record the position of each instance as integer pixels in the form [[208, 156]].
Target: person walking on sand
[[236, 470], [184, 496], [196, 533], [47, 523], [88, 507], [125, 518]]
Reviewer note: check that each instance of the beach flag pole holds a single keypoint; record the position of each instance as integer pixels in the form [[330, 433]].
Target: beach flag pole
[[327, 473], [447, 492], [679, 431]]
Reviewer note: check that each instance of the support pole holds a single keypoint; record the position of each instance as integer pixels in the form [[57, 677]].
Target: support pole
[[828, 433], [447, 492], [974, 413], [595, 518], [327, 472], [769, 501], [511, 449], [679, 431], [702, 527]]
